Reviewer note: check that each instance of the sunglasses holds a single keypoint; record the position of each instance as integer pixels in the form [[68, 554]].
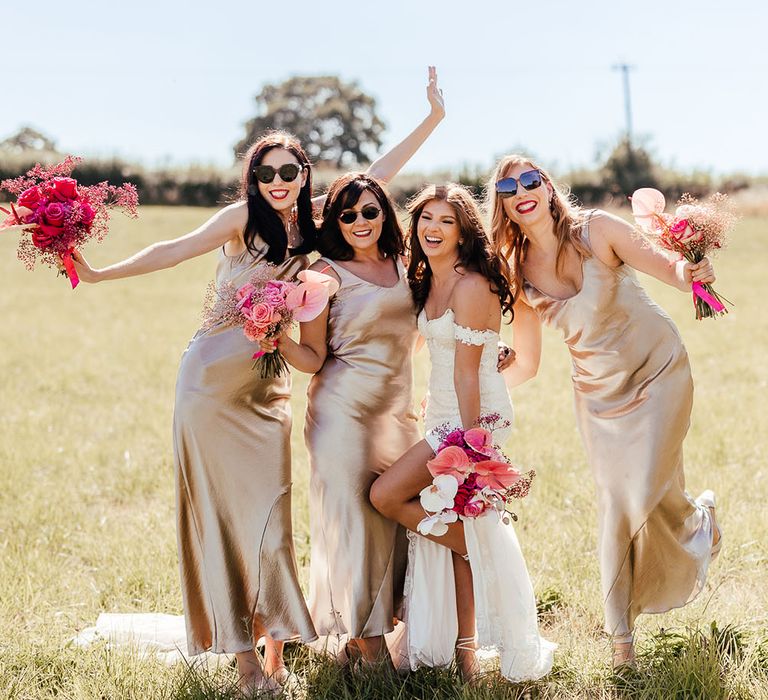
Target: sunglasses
[[266, 173], [507, 186], [349, 217]]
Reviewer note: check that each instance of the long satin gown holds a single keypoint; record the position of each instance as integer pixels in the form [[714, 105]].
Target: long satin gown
[[633, 395], [359, 421], [233, 485]]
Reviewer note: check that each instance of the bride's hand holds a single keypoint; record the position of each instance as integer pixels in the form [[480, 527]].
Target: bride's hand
[[435, 95], [506, 357]]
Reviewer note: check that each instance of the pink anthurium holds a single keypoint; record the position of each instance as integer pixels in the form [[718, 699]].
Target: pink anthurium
[[647, 206], [307, 301], [498, 476], [452, 461], [314, 277], [480, 440]]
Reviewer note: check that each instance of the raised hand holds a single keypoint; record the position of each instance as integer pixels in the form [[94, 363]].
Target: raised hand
[[435, 94]]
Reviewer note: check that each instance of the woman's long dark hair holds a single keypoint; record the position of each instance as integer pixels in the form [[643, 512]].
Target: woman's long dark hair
[[344, 193], [475, 251], [263, 220]]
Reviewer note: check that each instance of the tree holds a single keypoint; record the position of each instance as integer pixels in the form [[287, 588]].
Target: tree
[[336, 122], [627, 168], [28, 139]]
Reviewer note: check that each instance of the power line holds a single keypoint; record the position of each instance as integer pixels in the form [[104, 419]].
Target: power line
[[625, 68]]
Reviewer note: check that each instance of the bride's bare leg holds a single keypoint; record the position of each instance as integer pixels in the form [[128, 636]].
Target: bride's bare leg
[[465, 608], [395, 495]]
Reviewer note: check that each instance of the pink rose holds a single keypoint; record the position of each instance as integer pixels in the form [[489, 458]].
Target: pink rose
[[253, 332], [280, 286], [87, 214], [54, 215], [30, 198], [474, 508], [243, 296], [63, 188], [273, 297], [683, 232], [261, 315]]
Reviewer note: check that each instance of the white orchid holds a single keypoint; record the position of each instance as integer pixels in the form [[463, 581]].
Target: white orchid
[[440, 494], [437, 524]]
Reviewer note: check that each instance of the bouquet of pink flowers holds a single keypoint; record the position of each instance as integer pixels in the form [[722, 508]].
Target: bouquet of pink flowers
[[266, 307], [693, 231], [471, 475], [62, 214]]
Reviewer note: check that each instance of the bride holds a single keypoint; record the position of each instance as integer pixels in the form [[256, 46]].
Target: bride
[[471, 589]]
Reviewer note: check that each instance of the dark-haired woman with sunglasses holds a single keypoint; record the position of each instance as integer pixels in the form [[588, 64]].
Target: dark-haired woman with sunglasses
[[573, 270], [232, 428], [359, 411]]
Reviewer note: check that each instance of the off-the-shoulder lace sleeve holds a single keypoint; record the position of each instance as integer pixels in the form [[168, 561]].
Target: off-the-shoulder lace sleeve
[[470, 336]]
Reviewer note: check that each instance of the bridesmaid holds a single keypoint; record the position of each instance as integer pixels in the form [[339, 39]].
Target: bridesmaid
[[359, 410], [232, 428], [573, 269], [359, 413]]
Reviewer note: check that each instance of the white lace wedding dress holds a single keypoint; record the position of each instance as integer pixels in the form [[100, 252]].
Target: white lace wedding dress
[[505, 607]]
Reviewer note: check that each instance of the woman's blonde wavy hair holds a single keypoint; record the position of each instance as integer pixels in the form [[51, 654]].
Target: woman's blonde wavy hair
[[509, 240]]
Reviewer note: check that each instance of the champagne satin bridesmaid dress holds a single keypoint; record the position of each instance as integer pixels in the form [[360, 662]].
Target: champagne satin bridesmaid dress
[[633, 395], [233, 478], [359, 421]]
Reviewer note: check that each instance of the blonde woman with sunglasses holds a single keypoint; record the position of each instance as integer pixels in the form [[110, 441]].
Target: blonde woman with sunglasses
[[574, 270]]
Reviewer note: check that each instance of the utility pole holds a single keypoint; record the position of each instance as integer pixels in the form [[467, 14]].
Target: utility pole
[[625, 68]]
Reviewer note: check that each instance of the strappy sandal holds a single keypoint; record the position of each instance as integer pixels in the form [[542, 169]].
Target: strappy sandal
[[468, 644], [708, 500], [624, 652]]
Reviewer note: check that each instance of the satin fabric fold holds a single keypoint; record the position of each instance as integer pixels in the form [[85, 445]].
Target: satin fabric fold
[[233, 476], [359, 421]]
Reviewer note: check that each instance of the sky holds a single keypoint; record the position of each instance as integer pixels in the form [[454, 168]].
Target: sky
[[170, 82]]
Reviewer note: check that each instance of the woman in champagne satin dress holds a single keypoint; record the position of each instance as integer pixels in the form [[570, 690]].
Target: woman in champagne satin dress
[[359, 415], [359, 412], [232, 428], [632, 386]]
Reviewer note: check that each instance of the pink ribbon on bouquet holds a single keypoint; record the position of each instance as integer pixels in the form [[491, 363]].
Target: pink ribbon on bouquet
[[69, 266], [706, 297]]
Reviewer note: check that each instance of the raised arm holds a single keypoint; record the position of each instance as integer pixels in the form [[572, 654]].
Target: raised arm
[[526, 342], [615, 241], [388, 165], [225, 225]]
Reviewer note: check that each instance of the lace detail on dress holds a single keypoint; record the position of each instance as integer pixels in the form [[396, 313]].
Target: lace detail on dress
[[470, 336]]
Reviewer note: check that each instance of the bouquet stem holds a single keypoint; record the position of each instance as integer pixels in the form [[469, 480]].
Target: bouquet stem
[[271, 364]]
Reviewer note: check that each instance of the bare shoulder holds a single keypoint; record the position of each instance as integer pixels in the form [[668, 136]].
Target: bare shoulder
[[604, 224], [321, 265], [236, 213], [472, 289]]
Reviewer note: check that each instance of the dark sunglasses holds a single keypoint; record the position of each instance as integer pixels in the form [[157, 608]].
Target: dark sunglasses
[[507, 186], [349, 217], [266, 173]]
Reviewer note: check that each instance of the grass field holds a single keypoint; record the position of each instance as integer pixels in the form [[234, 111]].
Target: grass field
[[87, 509]]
